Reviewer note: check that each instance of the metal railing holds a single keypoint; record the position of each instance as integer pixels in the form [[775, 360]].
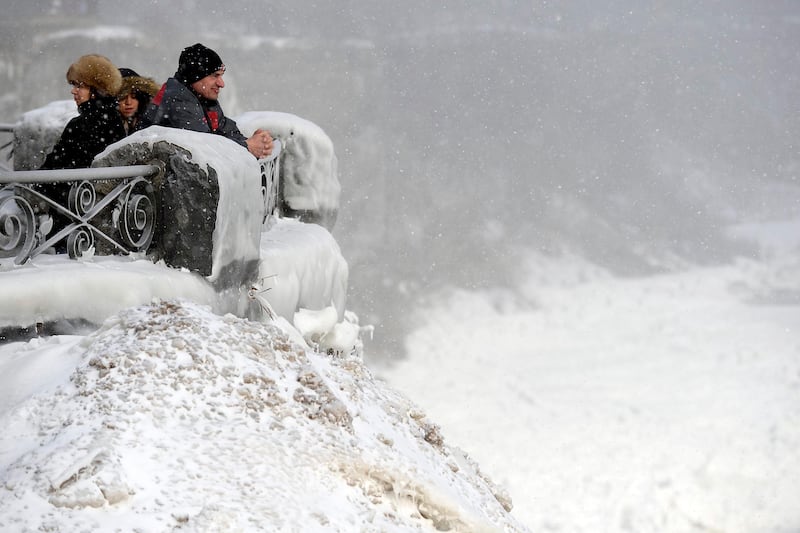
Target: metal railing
[[120, 217], [270, 179], [56, 211]]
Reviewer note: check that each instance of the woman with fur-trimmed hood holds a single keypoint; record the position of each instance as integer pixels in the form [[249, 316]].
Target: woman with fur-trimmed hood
[[95, 83], [134, 95]]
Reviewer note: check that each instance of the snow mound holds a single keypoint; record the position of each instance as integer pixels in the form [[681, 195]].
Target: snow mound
[[178, 419]]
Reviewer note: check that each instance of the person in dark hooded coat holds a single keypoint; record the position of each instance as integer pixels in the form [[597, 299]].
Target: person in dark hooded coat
[[133, 97], [95, 83]]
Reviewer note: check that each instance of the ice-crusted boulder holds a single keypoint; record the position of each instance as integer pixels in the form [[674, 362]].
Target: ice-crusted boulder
[[209, 198], [176, 419], [38, 131]]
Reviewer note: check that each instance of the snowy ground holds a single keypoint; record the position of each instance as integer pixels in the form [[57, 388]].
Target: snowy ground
[[668, 404], [662, 404], [171, 418]]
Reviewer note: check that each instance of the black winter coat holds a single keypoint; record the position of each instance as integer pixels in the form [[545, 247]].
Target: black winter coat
[[177, 106], [98, 125]]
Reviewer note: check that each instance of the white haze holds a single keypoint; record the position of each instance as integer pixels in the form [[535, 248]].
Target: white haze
[[655, 142], [630, 133]]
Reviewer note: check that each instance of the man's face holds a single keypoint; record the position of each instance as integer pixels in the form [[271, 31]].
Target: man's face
[[209, 86]]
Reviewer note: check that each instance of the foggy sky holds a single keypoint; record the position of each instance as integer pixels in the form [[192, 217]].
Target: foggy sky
[[623, 132]]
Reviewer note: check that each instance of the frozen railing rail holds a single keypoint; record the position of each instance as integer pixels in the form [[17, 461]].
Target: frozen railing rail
[[122, 216], [270, 180]]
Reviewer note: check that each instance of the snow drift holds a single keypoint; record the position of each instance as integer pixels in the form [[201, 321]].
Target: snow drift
[[178, 419]]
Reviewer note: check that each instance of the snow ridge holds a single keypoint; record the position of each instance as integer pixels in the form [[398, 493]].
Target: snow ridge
[[177, 419]]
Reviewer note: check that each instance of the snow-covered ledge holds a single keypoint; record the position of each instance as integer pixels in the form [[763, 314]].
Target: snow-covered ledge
[[213, 237]]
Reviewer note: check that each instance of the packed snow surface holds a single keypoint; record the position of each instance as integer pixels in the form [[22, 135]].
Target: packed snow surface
[[171, 418], [662, 404]]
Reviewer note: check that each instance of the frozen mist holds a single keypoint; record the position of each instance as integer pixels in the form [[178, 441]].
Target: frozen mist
[[655, 142]]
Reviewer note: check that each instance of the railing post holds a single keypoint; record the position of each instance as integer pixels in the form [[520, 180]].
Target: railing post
[[270, 181]]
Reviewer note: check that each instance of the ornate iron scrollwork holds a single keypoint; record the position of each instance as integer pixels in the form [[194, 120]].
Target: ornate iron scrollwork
[[138, 214], [17, 226], [121, 220]]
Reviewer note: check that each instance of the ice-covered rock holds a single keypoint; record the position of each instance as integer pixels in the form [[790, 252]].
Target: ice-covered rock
[[38, 131], [211, 207]]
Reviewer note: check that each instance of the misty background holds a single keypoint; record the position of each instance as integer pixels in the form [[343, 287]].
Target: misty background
[[632, 134]]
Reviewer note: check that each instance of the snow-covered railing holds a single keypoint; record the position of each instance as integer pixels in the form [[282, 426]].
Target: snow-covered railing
[[211, 200], [270, 179], [121, 216]]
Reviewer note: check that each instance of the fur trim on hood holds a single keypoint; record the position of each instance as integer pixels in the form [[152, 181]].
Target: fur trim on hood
[[138, 84], [97, 72]]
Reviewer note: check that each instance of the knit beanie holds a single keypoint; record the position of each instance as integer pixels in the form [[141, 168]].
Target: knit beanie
[[197, 62], [97, 72]]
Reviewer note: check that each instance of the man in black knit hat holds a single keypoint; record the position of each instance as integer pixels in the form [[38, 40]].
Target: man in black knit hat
[[188, 101]]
